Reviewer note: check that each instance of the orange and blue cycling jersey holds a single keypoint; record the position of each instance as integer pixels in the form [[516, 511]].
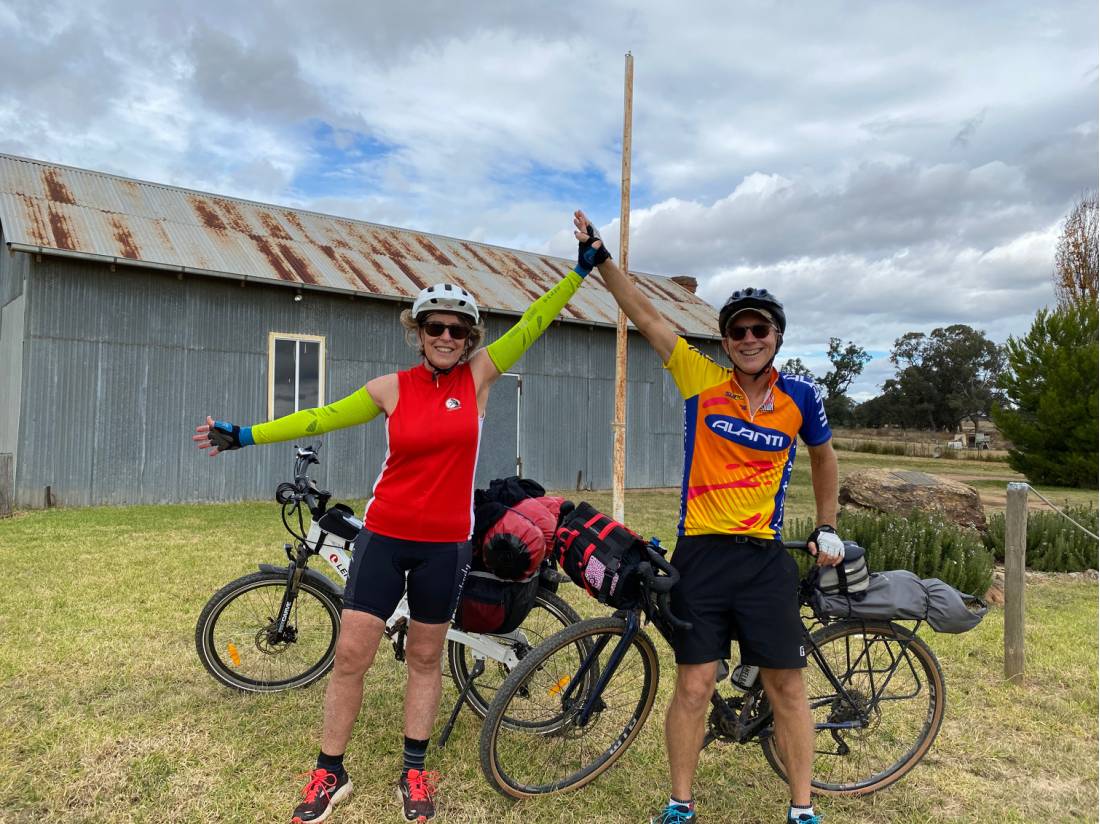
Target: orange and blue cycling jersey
[[737, 463]]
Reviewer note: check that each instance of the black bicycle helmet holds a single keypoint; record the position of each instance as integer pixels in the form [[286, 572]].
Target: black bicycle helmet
[[752, 298]]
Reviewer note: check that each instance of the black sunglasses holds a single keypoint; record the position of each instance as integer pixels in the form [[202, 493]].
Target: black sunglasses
[[759, 331], [435, 329]]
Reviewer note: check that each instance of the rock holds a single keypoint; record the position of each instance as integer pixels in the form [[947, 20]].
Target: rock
[[996, 592], [901, 492]]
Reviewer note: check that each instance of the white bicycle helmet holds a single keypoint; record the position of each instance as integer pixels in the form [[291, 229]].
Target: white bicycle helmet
[[445, 297]]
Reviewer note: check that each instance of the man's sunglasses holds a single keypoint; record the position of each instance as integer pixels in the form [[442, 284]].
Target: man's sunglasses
[[759, 331], [435, 329]]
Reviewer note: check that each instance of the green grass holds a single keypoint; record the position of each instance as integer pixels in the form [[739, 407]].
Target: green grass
[[107, 715]]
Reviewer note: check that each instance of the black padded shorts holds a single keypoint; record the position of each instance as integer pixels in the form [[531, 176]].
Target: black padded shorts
[[737, 588], [382, 568]]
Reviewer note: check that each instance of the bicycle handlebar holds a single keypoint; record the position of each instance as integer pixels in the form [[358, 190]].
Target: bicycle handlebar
[[659, 577]]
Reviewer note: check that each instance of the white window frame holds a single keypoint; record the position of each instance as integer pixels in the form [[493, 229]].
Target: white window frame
[[297, 338]]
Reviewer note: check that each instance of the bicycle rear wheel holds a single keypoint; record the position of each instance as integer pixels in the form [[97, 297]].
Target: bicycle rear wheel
[[235, 635], [567, 755], [549, 615], [895, 679]]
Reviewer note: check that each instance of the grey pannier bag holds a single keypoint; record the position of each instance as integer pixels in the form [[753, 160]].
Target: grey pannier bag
[[900, 594]]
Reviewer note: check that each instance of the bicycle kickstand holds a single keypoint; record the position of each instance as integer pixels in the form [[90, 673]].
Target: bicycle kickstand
[[479, 667]]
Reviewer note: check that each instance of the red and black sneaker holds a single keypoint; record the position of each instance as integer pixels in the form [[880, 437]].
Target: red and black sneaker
[[323, 792], [417, 789]]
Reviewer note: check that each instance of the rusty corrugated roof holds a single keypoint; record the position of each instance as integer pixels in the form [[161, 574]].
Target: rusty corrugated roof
[[47, 207]]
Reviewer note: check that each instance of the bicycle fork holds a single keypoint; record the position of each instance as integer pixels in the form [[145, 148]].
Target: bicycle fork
[[594, 702], [281, 631]]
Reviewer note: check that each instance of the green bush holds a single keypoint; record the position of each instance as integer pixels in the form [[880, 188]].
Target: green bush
[[1053, 543], [922, 543]]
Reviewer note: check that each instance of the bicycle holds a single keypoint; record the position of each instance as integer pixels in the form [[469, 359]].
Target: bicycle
[[876, 693], [276, 629]]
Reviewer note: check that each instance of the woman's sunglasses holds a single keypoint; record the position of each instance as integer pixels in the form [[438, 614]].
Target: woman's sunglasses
[[759, 331], [435, 329]]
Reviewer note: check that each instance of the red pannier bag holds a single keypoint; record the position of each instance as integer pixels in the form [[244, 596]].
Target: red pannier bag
[[513, 548], [492, 605], [503, 581]]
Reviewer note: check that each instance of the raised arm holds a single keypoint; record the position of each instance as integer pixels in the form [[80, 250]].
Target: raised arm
[[501, 355], [221, 436], [640, 309]]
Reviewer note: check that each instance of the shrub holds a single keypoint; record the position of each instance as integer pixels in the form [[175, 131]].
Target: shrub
[[922, 543], [1053, 543]]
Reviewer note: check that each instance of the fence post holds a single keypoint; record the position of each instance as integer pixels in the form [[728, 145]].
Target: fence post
[[7, 484], [1015, 551]]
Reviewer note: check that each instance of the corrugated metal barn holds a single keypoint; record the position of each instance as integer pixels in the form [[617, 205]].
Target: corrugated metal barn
[[131, 310]]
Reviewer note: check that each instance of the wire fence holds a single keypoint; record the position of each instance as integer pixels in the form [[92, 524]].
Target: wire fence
[[1063, 514]]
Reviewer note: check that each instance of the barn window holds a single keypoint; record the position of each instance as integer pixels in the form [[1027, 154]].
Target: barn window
[[296, 373]]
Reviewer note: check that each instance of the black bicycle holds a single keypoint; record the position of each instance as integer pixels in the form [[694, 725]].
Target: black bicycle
[[876, 694]]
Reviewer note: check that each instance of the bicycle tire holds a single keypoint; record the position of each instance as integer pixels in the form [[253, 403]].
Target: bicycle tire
[[549, 610], [902, 737], [232, 640], [509, 756]]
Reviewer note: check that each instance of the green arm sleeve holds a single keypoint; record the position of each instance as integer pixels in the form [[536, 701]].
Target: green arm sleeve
[[358, 407], [509, 347]]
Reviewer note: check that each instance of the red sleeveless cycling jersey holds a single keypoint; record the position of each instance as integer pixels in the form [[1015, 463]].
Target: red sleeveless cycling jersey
[[425, 491]]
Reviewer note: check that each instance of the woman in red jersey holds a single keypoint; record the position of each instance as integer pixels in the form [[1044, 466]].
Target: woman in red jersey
[[418, 522]]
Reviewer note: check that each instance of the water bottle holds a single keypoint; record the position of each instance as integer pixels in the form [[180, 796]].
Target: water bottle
[[744, 676]]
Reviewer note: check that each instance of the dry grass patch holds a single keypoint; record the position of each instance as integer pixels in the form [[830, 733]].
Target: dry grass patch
[[107, 715]]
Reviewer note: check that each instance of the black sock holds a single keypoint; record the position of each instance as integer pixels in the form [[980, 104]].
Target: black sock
[[415, 750], [333, 763], [688, 805]]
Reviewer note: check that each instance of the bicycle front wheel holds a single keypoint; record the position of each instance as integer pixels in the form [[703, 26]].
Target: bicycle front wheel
[[236, 640], [568, 752], [549, 614], [892, 679]]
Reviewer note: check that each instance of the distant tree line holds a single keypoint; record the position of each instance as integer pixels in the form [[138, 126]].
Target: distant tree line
[[1041, 389]]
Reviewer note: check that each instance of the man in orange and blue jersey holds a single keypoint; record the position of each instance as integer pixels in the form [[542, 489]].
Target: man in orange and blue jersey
[[741, 426]]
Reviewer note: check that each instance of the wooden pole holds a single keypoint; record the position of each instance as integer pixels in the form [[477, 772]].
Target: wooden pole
[[1015, 551], [618, 458], [7, 484]]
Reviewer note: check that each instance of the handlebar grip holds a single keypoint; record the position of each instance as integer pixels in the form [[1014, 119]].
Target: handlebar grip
[[660, 583], [664, 603]]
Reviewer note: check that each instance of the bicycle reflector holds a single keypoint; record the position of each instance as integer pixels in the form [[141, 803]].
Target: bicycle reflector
[[562, 683], [234, 656]]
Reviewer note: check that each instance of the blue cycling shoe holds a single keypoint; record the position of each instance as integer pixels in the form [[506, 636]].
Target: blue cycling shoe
[[805, 819], [674, 814]]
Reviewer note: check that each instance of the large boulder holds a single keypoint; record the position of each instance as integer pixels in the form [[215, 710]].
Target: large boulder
[[901, 492]]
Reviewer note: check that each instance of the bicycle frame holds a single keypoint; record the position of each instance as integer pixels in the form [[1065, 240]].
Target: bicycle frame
[[750, 726], [337, 553]]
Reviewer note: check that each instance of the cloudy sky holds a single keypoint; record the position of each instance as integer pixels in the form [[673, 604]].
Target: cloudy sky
[[883, 166]]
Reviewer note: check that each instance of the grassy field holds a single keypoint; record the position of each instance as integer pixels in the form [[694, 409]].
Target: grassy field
[[107, 715]]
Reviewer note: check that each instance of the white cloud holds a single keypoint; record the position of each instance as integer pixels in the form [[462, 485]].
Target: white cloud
[[886, 167]]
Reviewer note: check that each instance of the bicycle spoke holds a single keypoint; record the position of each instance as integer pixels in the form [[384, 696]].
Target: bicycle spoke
[[566, 753], [886, 708], [240, 636]]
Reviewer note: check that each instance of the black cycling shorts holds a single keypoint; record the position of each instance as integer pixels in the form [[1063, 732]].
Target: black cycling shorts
[[732, 587], [382, 567]]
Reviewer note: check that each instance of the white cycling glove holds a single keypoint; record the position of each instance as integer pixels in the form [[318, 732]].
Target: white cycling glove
[[829, 545]]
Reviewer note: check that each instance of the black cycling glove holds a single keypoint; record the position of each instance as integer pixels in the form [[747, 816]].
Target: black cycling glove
[[225, 436], [589, 256]]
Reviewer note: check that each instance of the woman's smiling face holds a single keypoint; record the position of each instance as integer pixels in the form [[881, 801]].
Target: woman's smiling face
[[443, 351]]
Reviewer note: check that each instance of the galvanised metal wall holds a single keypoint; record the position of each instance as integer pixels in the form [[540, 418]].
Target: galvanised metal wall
[[121, 366], [12, 314]]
